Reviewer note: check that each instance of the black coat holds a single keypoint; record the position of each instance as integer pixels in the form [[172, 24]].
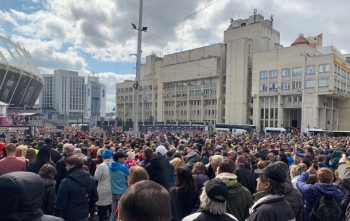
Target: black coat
[[182, 203], [61, 172], [55, 155], [76, 195], [246, 178], [48, 202], [294, 198], [21, 197], [160, 171]]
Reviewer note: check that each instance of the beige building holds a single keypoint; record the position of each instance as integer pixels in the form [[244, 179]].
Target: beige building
[[248, 79]]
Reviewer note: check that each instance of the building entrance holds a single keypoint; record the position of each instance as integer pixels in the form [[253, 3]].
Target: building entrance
[[292, 117]]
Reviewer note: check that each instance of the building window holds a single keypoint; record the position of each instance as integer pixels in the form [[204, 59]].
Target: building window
[[273, 74], [263, 74], [286, 72], [323, 83], [262, 87], [206, 81], [323, 68], [198, 82], [296, 71], [310, 84], [310, 69], [273, 86], [296, 84], [285, 85]]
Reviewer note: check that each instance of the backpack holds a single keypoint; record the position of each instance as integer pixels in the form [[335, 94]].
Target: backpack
[[326, 209]]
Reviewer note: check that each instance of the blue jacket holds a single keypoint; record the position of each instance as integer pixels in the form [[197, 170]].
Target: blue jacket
[[311, 193], [118, 175], [299, 154]]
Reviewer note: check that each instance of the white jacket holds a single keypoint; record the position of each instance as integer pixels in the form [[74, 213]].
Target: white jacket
[[104, 184]]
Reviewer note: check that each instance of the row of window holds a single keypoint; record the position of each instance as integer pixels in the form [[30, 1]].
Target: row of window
[[295, 85], [294, 71]]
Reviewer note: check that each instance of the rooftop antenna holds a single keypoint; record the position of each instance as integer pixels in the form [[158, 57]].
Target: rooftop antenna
[[271, 17], [255, 11]]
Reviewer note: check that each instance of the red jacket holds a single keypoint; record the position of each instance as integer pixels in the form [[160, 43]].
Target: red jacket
[[2, 146]]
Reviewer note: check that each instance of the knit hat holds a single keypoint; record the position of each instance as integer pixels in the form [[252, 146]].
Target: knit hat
[[275, 173], [107, 154], [216, 190], [178, 155]]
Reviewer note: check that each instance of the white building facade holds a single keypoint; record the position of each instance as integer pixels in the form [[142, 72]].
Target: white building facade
[[64, 91], [248, 79], [95, 98]]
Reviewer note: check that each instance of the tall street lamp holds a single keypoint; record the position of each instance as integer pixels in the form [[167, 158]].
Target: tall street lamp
[[138, 63]]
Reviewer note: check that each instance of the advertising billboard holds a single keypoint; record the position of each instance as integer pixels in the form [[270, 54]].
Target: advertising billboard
[[21, 88], [29, 92], [9, 85], [35, 95]]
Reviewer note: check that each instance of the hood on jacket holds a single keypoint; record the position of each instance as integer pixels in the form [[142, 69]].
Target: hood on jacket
[[47, 181], [79, 175], [226, 176], [288, 187], [328, 189], [159, 162], [336, 154], [115, 166], [25, 192], [193, 157]]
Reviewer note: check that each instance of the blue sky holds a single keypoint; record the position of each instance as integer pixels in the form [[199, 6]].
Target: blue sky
[[96, 36]]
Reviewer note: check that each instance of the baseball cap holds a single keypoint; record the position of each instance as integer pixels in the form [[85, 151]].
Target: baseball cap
[[216, 190], [161, 149], [118, 155], [275, 173]]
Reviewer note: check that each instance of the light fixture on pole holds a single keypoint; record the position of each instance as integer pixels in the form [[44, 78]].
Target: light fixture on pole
[[138, 63]]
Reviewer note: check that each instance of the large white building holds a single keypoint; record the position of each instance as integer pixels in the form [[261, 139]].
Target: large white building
[[95, 98], [64, 91], [248, 79]]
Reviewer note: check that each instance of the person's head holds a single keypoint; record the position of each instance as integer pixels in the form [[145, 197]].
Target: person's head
[[68, 149], [21, 151], [227, 166], [119, 157], [213, 197], [215, 161], [241, 160], [47, 170], [11, 149], [176, 162], [312, 179], [184, 179], [130, 155], [148, 153], [283, 165], [321, 158], [74, 160], [198, 168], [295, 170], [303, 166], [272, 179], [31, 155], [325, 175], [60, 146], [137, 174], [157, 207], [261, 164], [107, 154]]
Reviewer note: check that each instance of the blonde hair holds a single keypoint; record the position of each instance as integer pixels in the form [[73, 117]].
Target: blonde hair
[[176, 162], [295, 170], [137, 174], [21, 151]]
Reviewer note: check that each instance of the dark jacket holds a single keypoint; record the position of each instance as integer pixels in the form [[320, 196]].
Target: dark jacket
[[205, 158], [72, 202], [246, 178], [55, 155], [294, 198], [144, 163], [199, 179], [61, 171], [344, 175], [21, 197], [182, 203], [311, 192], [333, 163], [271, 208], [239, 198], [159, 171], [48, 202]]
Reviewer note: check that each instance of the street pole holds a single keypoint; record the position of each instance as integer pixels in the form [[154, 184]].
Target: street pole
[[138, 63]]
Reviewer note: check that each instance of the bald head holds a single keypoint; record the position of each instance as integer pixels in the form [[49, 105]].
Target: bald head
[[68, 148]]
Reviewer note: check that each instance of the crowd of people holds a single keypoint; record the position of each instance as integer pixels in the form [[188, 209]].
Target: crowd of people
[[174, 175]]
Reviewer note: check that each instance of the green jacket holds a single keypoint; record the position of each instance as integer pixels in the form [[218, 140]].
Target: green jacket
[[239, 199]]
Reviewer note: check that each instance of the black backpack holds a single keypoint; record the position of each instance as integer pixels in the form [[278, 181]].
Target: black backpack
[[326, 209]]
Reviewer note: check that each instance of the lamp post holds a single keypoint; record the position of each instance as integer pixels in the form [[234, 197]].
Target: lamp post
[[138, 63]]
